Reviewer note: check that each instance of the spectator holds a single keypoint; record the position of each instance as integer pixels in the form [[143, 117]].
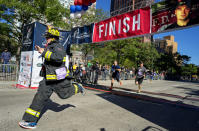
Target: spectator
[[5, 59], [89, 64], [74, 68], [70, 66], [103, 71], [94, 74], [122, 73]]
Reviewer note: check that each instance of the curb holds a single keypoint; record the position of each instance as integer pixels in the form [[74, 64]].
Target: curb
[[146, 98]]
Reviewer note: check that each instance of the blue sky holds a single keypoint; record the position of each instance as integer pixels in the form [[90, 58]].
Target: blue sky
[[103, 4], [187, 39], [188, 42]]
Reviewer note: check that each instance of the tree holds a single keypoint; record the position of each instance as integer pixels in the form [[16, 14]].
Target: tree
[[189, 70], [18, 13], [6, 40], [128, 52]]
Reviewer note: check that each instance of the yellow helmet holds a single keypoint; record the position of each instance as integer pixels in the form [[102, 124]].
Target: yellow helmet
[[52, 32]]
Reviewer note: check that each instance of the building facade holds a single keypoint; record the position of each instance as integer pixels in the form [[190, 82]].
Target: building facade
[[166, 45], [124, 6]]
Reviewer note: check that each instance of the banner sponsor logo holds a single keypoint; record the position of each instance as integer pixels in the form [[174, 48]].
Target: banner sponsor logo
[[25, 68], [28, 34], [123, 26], [81, 35]]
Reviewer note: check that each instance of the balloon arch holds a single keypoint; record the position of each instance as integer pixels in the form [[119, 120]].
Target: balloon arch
[[79, 7]]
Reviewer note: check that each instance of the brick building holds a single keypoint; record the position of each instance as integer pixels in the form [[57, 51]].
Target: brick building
[[166, 45]]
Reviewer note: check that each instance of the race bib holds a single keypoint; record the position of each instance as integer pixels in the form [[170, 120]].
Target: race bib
[[61, 73], [140, 73]]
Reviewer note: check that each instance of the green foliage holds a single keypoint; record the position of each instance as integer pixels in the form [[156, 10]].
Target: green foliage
[[198, 70], [128, 53], [24, 12], [189, 69], [6, 39]]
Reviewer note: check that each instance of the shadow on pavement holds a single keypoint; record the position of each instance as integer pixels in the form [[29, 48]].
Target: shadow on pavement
[[165, 116], [191, 91], [171, 115], [102, 129], [150, 128], [145, 95], [50, 105], [97, 86]]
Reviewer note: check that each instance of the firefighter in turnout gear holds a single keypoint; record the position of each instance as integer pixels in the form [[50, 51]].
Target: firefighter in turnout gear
[[56, 78]]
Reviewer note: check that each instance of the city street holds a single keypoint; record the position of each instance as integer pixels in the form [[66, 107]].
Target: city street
[[104, 111], [72, 46]]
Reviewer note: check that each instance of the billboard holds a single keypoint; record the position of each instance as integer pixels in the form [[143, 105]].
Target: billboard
[[28, 35], [81, 35], [25, 69], [174, 14], [40, 40]]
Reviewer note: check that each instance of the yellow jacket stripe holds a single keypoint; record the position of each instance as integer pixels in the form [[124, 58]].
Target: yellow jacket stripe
[[64, 60], [47, 55], [54, 77], [32, 112], [51, 77], [76, 88]]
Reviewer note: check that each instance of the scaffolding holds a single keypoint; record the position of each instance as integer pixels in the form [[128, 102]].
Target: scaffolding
[[124, 6]]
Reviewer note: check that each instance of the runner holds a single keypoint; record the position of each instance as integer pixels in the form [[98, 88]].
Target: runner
[[115, 69], [140, 74], [56, 79]]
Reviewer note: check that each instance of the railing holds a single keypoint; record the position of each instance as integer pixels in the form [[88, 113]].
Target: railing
[[121, 8], [8, 72]]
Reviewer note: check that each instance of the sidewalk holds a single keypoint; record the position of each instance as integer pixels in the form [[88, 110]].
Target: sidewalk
[[7, 84], [184, 94], [158, 91]]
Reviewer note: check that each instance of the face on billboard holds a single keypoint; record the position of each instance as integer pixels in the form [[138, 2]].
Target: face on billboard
[[175, 14], [182, 12]]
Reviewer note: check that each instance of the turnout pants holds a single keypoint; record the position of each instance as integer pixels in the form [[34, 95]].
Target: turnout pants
[[63, 88]]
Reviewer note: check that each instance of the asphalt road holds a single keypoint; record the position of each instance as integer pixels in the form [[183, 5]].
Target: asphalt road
[[100, 111]]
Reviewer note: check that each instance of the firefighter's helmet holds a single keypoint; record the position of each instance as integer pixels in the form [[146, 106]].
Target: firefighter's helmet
[[52, 32]]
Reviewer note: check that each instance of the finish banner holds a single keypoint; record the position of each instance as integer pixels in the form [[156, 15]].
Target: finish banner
[[174, 14], [130, 24]]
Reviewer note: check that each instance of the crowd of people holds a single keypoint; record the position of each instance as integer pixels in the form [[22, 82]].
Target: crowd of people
[[91, 73]]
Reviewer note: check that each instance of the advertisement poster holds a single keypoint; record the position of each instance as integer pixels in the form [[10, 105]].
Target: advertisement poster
[[36, 67], [174, 14], [25, 69], [81, 35], [28, 36], [64, 39], [130, 24]]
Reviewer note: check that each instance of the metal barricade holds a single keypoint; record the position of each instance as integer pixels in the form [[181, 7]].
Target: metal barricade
[[8, 72]]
